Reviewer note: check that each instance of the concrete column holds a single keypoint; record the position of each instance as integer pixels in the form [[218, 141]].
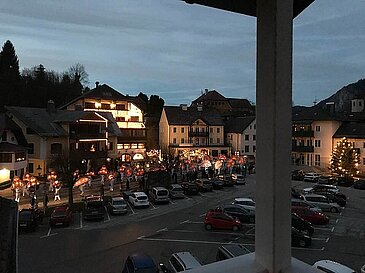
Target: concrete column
[[273, 104]]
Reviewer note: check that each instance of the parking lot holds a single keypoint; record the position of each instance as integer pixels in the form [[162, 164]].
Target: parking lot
[[163, 229]]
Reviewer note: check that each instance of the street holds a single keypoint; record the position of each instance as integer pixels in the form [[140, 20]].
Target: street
[[161, 230]]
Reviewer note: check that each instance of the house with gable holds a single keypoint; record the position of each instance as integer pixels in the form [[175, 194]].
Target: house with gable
[[126, 110], [192, 131]]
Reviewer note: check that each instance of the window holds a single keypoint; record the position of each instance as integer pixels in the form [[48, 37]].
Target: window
[[20, 156], [134, 119], [317, 160], [247, 149], [140, 145], [182, 130], [317, 143], [31, 148], [120, 107], [211, 140], [174, 129], [318, 128], [254, 148], [134, 146], [250, 127], [247, 137], [56, 148], [89, 105], [119, 119], [364, 144], [4, 136], [31, 167], [211, 131], [182, 140], [218, 140], [254, 137], [363, 160], [174, 140], [218, 130], [177, 266], [5, 157], [254, 126]]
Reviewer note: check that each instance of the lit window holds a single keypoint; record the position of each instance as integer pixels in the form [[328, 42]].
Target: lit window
[[134, 146]]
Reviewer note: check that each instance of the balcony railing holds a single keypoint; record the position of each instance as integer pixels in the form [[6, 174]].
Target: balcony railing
[[302, 149], [198, 134], [306, 133], [87, 136]]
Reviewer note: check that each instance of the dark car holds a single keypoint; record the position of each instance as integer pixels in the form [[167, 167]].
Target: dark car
[[235, 210], [204, 184], [93, 209], [345, 181], [300, 224], [189, 187], [229, 251], [217, 219], [326, 179], [126, 194], [296, 194], [227, 180], [61, 216], [217, 183], [338, 198], [297, 175], [359, 184], [29, 219], [140, 263], [299, 239]]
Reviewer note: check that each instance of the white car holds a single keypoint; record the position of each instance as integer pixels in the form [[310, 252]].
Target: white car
[[332, 267], [239, 178], [311, 177], [247, 203], [139, 199]]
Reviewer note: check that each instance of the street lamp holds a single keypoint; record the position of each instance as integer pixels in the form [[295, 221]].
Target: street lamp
[[39, 170]]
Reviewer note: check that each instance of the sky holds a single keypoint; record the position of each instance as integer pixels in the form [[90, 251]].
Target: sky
[[176, 50]]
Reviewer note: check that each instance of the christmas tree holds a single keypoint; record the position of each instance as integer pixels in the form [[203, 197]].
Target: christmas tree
[[344, 159]]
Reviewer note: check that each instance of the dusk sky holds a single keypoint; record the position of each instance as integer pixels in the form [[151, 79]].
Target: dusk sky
[[175, 50]]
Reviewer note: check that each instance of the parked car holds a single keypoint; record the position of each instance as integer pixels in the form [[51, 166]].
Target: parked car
[[297, 175], [137, 263], [182, 261], [345, 181], [220, 220], [217, 183], [303, 203], [117, 205], [239, 211], [139, 199], [326, 179], [204, 184], [176, 191], [159, 195], [93, 208], [29, 219], [332, 267], [126, 194], [227, 180], [300, 239], [322, 202], [239, 179], [313, 217], [311, 177], [190, 188], [302, 225], [229, 251], [296, 194], [338, 198], [359, 184], [321, 187], [61, 215], [247, 203]]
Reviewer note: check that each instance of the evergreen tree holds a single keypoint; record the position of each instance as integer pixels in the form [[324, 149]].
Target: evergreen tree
[[344, 159]]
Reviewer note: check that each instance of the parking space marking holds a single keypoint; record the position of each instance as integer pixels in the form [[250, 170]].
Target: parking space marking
[[107, 214], [183, 222], [202, 215], [193, 231], [202, 194], [131, 208], [194, 222], [163, 229], [172, 202], [153, 206], [248, 231], [323, 228], [320, 239], [48, 233], [309, 249], [143, 238]]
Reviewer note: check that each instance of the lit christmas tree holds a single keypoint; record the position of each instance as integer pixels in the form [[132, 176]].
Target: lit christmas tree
[[344, 159]]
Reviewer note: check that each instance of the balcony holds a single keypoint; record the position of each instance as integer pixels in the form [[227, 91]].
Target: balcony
[[198, 134], [302, 149], [82, 154], [303, 133], [77, 136]]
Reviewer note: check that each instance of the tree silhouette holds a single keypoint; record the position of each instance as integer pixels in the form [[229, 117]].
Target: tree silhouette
[[78, 74]]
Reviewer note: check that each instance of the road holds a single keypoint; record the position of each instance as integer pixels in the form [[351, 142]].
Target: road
[[164, 229]]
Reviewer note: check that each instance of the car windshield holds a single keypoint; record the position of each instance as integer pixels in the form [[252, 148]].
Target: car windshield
[[25, 215], [119, 202], [59, 213], [94, 204], [177, 189], [142, 197], [162, 192]]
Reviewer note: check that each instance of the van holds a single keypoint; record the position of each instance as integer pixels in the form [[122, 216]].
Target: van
[[159, 195], [229, 251]]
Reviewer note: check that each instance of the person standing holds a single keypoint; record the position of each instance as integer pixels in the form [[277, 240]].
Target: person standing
[[17, 194], [111, 184], [57, 193], [81, 188]]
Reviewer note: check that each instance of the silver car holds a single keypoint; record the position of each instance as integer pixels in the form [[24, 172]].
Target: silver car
[[322, 202], [117, 205], [176, 191]]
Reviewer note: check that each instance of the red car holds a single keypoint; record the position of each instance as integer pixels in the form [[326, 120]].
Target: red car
[[219, 220], [315, 218], [61, 216]]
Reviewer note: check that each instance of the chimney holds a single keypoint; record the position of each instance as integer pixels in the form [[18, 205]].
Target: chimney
[[184, 107], [51, 108], [96, 84]]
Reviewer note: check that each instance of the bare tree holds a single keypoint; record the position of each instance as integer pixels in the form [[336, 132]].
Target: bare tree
[[77, 72]]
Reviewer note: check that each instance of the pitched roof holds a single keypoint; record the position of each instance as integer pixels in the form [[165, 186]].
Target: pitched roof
[[210, 95], [177, 116], [239, 103], [113, 128], [351, 130], [238, 124], [316, 112], [7, 124], [10, 147]]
